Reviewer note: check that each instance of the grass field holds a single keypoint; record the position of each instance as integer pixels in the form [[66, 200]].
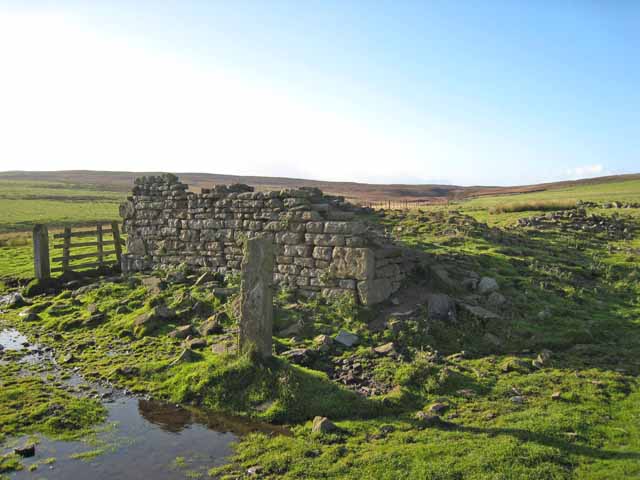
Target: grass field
[[56, 204], [571, 292], [23, 204], [627, 191]]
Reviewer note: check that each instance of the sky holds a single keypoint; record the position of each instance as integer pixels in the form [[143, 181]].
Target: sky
[[466, 92]]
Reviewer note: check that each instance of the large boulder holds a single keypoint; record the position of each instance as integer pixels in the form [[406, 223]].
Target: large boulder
[[441, 307], [488, 285]]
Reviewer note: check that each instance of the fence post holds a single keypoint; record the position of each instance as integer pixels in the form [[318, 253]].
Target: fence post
[[41, 265], [116, 241], [100, 244], [65, 249]]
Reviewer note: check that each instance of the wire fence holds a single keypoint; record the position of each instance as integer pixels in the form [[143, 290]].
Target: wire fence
[[400, 204]]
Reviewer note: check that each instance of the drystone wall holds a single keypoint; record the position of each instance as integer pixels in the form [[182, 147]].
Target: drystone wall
[[320, 245]]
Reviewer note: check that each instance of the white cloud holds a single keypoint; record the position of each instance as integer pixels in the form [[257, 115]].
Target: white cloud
[[584, 171]]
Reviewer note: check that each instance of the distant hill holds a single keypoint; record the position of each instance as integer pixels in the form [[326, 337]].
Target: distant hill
[[122, 182]]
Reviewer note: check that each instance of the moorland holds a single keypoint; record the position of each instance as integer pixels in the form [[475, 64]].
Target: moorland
[[535, 376]]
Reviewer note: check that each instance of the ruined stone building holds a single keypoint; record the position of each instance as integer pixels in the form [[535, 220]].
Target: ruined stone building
[[321, 246]]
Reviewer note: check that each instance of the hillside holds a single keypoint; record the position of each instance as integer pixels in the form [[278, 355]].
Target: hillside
[[122, 181]]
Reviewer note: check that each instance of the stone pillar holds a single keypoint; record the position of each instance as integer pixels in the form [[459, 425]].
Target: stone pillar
[[256, 296], [41, 265]]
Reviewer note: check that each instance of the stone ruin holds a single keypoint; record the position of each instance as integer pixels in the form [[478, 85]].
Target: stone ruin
[[321, 245]]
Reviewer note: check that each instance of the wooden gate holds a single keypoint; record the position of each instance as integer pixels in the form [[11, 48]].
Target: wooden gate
[[100, 236]]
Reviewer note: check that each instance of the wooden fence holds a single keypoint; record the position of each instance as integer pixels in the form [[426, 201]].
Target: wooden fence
[[100, 236]]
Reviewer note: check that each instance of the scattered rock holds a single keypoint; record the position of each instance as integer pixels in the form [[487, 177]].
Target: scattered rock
[[299, 356], [556, 396], [13, 300], [395, 326], [187, 355], [515, 365], [323, 425], [428, 419], [154, 285], [479, 313], [29, 316], [182, 332], [385, 349], [383, 432], [323, 342], [487, 285], [496, 299], [69, 358], [255, 470], [346, 339], [95, 319], [92, 308], [80, 290], [441, 307], [470, 283], [224, 292], [291, 330], [519, 399], [205, 278], [128, 371], [211, 326], [437, 408], [224, 347], [38, 287], [196, 343], [149, 321], [28, 450]]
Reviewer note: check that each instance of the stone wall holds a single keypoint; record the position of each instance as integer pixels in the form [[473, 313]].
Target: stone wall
[[320, 244]]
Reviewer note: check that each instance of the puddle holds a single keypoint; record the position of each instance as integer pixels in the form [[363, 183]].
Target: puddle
[[12, 339], [146, 442], [140, 439]]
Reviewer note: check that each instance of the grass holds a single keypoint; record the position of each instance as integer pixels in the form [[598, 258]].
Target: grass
[[22, 204], [626, 191], [533, 205], [573, 292]]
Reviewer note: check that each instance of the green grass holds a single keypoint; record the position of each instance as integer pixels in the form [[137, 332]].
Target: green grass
[[573, 292], [533, 205], [22, 204], [627, 191]]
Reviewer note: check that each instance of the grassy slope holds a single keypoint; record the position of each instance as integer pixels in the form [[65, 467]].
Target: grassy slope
[[589, 286], [627, 191]]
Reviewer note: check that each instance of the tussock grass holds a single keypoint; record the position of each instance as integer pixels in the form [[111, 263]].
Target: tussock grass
[[533, 205]]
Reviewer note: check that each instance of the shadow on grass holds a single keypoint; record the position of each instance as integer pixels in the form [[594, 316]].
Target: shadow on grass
[[542, 439]]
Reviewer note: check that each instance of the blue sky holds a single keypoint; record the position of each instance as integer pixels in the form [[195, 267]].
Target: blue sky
[[504, 92]]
